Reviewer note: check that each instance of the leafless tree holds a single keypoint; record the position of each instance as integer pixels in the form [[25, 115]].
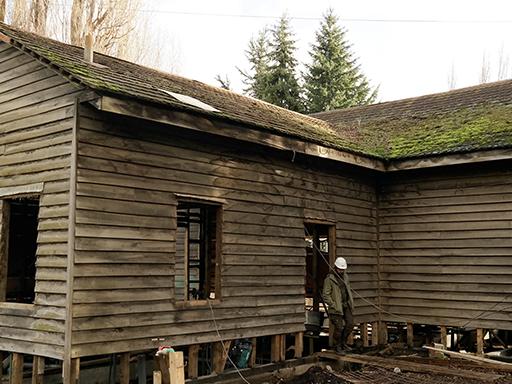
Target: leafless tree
[[503, 65], [224, 82], [2, 10], [485, 70], [39, 16], [19, 14], [452, 78]]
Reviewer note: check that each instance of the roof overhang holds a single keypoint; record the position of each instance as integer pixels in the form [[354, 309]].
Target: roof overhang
[[136, 109]]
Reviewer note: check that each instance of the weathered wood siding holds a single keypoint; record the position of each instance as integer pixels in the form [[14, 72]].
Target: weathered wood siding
[[36, 120], [128, 175], [446, 245]]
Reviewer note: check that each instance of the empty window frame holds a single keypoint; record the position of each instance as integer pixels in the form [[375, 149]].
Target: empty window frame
[[197, 262], [19, 220]]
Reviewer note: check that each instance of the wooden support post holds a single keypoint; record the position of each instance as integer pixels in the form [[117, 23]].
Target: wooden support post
[[410, 335], [375, 333], [363, 328], [38, 370], [299, 344], [220, 355], [75, 371], [157, 377], [444, 337], [162, 365], [383, 332], [277, 348], [479, 341], [141, 369], [193, 361], [252, 358], [176, 368], [124, 368], [350, 338], [16, 369]]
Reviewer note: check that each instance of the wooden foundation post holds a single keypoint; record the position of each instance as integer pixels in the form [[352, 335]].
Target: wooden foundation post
[[75, 370], [410, 335], [252, 358], [299, 344], [16, 369], [38, 370], [277, 348], [193, 361], [375, 333], [383, 333], [157, 377], [363, 328], [220, 355], [176, 368], [444, 336], [479, 341], [124, 368]]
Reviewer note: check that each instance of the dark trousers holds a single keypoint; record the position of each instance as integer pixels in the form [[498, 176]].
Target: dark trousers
[[343, 326]]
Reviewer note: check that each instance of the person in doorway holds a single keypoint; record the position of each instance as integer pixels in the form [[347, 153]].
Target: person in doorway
[[338, 297]]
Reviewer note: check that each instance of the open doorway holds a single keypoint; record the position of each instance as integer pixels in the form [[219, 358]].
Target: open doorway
[[320, 252]]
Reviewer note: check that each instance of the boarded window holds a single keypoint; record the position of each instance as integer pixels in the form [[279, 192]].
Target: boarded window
[[197, 247], [19, 246]]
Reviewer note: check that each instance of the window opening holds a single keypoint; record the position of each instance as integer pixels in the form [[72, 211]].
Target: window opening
[[196, 264], [21, 217]]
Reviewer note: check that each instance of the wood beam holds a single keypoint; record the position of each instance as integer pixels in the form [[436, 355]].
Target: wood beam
[[277, 348], [16, 369], [299, 344], [479, 341], [375, 333], [220, 355], [410, 335], [176, 368], [444, 336], [157, 377], [193, 361], [124, 368], [213, 125], [383, 332], [38, 370], [363, 328], [74, 374], [254, 348]]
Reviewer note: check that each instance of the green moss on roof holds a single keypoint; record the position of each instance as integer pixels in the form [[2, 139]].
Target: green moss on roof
[[471, 119]]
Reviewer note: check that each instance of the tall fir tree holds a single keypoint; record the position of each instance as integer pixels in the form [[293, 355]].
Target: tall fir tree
[[334, 79], [283, 87], [258, 56]]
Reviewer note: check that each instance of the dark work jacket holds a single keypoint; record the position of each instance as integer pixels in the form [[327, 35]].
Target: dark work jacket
[[333, 294]]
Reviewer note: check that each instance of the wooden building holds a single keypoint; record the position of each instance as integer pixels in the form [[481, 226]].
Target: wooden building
[[156, 207]]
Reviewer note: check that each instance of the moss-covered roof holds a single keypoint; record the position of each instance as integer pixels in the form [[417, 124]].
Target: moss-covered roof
[[463, 120], [470, 119]]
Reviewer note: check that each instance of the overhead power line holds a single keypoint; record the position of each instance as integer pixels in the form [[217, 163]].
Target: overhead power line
[[311, 18]]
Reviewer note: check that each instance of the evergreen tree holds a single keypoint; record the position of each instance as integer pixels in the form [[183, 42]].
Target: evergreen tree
[[333, 79], [283, 88], [257, 54]]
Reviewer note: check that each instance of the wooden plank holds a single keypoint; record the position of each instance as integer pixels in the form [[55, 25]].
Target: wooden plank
[[220, 355], [38, 367], [16, 369], [410, 335], [299, 344], [254, 350], [444, 340], [277, 348], [375, 333], [363, 328], [193, 361], [157, 377], [124, 368], [408, 366], [177, 368], [479, 341], [489, 363]]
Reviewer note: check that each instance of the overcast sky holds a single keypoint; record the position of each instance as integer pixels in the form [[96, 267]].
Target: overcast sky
[[409, 56]]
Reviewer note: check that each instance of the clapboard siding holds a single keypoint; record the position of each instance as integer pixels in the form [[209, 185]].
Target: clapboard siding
[[446, 246], [36, 120], [128, 175]]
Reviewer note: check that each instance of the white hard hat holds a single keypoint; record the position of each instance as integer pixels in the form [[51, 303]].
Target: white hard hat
[[341, 263]]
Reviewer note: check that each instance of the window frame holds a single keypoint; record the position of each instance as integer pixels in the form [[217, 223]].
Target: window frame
[[33, 191], [218, 205]]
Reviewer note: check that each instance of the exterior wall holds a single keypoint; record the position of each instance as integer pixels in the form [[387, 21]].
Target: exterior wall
[[128, 174], [446, 245], [36, 120]]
